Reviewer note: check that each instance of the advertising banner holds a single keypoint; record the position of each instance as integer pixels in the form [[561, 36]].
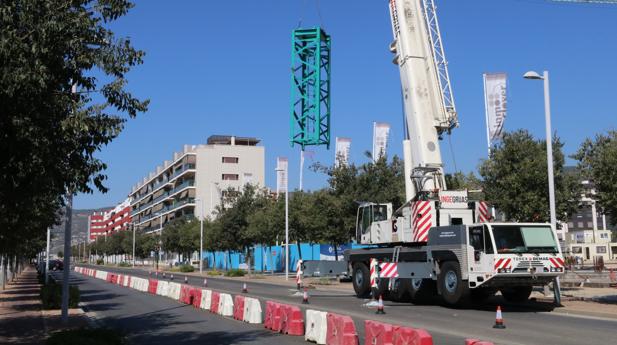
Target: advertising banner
[[281, 174], [381, 132], [343, 145], [495, 103]]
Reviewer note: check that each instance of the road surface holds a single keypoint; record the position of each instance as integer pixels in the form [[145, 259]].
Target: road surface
[[532, 324]]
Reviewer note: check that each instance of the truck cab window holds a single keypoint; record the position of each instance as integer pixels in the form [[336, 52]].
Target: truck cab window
[[476, 238], [488, 245], [366, 219]]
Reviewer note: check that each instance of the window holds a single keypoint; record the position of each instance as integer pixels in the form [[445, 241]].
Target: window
[[580, 225], [604, 235], [601, 249], [230, 177], [230, 160], [577, 250]]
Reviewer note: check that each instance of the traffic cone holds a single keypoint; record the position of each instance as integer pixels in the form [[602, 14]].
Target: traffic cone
[[186, 280], [305, 297], [205, 282], [171, 277], [244, 288], [157, 274], [163, 275], [380, 306], [149, 273], [498, 319]]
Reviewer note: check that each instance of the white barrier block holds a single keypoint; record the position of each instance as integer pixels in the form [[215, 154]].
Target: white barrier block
[[174, 291], [226, 305], [101, 275], [316, 326], [162, 288], [133, 282], [252, 310], [206, 299]]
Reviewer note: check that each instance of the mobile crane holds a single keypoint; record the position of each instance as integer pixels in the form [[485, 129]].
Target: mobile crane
[[439, 241]]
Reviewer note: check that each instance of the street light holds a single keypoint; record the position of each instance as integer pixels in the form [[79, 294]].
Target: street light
[[549, 141], [549, 161], [201, 233], [133, 226]]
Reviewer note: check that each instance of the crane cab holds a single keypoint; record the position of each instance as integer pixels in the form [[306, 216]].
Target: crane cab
[[374, 223]]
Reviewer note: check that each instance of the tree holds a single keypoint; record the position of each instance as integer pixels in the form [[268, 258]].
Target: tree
[[598, 163], [49, 134], [459, 181], [515, 179], [181, 235], [60, 254]]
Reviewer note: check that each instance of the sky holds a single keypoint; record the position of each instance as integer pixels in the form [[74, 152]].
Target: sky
[[223, 67]]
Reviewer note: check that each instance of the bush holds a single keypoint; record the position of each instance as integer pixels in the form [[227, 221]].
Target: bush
[[235, 273], [51, 296], [186, 268], [124, 264], [86, 336], [214, 273], [100, 261]]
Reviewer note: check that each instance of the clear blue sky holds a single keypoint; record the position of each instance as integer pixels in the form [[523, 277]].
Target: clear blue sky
[[222, 67]]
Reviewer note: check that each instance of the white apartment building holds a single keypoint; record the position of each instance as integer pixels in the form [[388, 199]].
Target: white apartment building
[[193, 181]]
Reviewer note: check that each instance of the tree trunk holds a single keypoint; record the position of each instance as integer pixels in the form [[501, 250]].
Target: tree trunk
[[335, 252]]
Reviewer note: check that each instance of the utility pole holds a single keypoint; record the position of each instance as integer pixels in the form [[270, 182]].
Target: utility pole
[[47, 256], [67, 258], [133, 226]]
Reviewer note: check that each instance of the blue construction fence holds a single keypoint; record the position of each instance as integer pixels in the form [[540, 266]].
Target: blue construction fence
[[268, 258]]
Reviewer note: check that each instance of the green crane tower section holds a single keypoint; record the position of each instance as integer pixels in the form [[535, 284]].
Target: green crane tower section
[[310, 88]]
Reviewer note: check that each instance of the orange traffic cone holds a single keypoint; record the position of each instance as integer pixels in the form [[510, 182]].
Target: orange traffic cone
[[380, 306], [186, 279], [244, 288], [205, 281], [171, 277], [498, 319], [305, 297], [163, 275], [157, 273]]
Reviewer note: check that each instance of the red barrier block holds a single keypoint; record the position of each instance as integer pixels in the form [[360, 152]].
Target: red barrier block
[[377, 333], [477, 342], [292, 321], [239, 307], [411, 336], [270, 310], [152, 285], [195, 297], [185, 294], [341, 330], [214, 306]]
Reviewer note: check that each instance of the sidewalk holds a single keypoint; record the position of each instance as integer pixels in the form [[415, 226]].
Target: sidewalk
[[22, 320]]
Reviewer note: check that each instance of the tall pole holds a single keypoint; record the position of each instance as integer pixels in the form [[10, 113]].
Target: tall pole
[[47, 256], [133, 225], [201, 233], [286, 233], [67, 258], [549, 150], [301, 168], [160, 240]]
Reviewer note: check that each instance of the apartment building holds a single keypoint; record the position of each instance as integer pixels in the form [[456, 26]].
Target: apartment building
[[194, 180], [110, 221]]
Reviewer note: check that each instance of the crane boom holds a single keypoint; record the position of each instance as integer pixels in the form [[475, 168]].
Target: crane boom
[[427, 94]]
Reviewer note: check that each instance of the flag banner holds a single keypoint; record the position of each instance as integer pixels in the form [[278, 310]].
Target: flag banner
[[281, 174], [381, 132], [343, 146], [496, 103]]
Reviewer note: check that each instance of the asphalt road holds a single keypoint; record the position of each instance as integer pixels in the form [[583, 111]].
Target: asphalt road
[[151, 320], [531, 324]]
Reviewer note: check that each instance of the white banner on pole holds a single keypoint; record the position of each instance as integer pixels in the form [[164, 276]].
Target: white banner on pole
[[281, 174], [343, 146], [495, 103], [381, 132]]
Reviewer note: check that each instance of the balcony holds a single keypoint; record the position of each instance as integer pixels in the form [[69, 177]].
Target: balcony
[[169, 208], [183, 168]]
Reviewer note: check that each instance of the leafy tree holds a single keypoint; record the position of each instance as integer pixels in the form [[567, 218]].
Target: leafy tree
[[60, 254], [459, 181], [181, 235], [49, 135], [598, 163], [515, 179], [145, 244]]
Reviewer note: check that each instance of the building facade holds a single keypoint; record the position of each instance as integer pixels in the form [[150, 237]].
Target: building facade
[[104, 223], [193, 182]]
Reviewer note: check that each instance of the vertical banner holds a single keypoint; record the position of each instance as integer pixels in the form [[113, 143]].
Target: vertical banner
[[495, 103], [343, 146], [281, 174], [381, 132]]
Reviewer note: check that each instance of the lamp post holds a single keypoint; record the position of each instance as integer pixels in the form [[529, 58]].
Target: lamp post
[[284, 171], [201, 233], [133, 226], [549, 161], [549, 141]]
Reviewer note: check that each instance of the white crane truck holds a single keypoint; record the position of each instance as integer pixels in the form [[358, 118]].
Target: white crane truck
[[439, 242]]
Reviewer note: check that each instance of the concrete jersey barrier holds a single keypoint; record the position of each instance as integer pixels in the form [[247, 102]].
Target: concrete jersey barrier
[[252, 310], [173, 291], [316, 326], [226, 305], [206, 299]]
